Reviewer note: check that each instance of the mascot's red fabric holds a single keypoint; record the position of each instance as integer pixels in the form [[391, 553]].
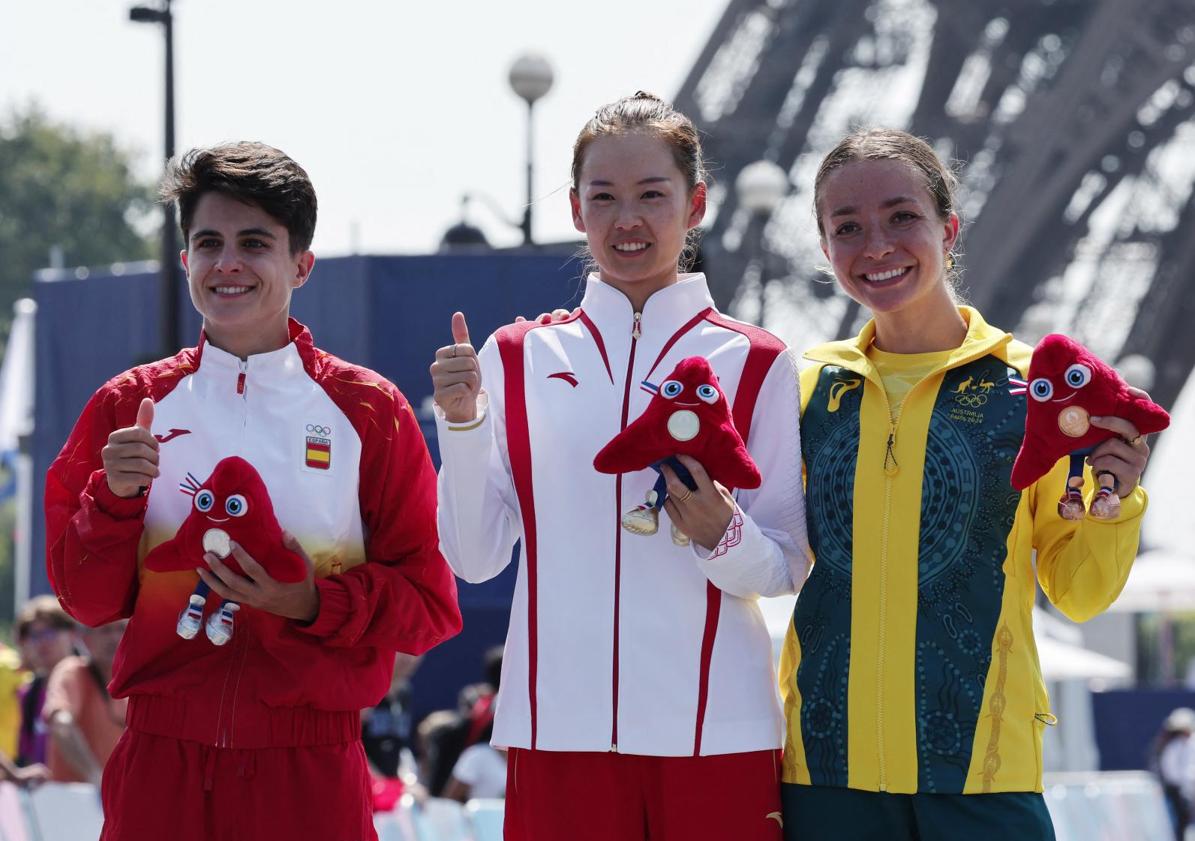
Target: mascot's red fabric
[[233, 500], [688, 415], [1067, 385]]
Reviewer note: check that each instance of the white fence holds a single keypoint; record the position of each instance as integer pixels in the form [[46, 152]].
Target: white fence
[[1122, 806]]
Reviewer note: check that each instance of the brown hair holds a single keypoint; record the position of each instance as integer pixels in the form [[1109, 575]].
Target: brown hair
[[249, 172], [646, 113], [42, 609], [890, 144]]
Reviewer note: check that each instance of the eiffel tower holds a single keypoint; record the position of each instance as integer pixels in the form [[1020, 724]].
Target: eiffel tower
[[1073, 122]]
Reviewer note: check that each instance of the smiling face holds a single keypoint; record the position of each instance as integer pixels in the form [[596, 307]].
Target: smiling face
[[884, 238], [635, 209], [690, 394], [1059, 376], [44, 644], [241, 273], [233, 491]]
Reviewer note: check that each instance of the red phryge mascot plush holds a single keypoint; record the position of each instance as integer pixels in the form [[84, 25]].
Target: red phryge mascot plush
[[688, 414], [1067, 385], [231, 504]]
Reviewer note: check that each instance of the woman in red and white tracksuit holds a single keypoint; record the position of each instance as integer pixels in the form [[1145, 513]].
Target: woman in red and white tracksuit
[[638, 691], [250, 731]]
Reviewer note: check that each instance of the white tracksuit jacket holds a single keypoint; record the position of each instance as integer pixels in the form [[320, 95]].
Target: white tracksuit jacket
[[620, 641]]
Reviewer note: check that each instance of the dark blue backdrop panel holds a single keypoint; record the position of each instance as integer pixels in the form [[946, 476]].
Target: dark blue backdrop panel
[[1128, 720], [387, 313], [413, 299], [334, 303]]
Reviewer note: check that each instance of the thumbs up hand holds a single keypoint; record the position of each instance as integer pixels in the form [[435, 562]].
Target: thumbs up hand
[[131, 455], [456, 375]]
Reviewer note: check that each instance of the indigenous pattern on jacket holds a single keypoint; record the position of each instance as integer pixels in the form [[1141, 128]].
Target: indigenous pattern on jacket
[[910, 665]]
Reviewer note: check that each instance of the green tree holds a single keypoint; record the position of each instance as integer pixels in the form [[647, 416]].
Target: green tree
[[67, 188]]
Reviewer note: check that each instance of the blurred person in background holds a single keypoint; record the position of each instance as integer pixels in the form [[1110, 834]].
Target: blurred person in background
[[439, 740], [1174, 763], [46, 636], [13, 677], [387, 735], [85, 722], [387, 728], [443, 736], [480, 770]]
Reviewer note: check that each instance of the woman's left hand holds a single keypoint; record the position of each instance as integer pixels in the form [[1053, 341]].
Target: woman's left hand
[[258, 589], [1124, 457], [702, 515]]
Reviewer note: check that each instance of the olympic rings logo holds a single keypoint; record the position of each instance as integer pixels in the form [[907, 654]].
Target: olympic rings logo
[[316, 429], [971, 401]]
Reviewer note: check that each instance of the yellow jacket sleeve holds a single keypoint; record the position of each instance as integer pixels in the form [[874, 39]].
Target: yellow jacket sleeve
[[1082, 565]]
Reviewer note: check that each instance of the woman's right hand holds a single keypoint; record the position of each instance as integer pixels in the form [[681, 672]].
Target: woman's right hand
[[131, 455], [456, 375]]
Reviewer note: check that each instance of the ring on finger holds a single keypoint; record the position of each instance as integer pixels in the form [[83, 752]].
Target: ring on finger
[[1133, 442], [688, 495]]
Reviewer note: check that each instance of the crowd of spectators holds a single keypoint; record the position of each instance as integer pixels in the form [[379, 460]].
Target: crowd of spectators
[[447, 753], [58, 723]]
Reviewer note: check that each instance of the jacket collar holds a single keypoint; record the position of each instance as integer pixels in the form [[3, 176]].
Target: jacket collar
[[981, 339], [297, 354], [666, 310]]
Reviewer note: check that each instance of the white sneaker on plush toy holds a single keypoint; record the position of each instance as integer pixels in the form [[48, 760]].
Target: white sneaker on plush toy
[[1071, 506], [191, 618], [642, 519], [219, 624], [1106, 505]]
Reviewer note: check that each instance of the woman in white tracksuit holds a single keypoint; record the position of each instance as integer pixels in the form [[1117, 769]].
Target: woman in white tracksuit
[[639, 697]]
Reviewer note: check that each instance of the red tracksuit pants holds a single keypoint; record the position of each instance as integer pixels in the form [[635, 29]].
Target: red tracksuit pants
[[563, 796], [161, 789]]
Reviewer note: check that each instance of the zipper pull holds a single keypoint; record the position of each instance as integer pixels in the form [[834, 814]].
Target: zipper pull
[[241, 378], [635, 332], [891, 467]]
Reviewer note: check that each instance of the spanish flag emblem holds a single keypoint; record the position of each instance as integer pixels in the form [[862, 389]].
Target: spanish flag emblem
[[319, 453]]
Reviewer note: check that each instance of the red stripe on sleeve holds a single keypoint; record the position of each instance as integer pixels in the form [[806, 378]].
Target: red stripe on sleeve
[[762, 353]]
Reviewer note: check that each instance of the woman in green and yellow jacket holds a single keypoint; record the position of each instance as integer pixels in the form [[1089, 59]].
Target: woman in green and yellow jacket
[[914, 699]]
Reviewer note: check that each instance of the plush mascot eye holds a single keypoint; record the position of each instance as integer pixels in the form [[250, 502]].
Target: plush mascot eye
[[204, 500], [1078, 375], [237, 505], [707, 393], [1041, 389], [671, 389]]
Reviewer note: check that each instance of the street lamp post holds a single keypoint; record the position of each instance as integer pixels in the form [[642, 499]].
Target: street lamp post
[[530, 78], [169, 258], [760, 187]]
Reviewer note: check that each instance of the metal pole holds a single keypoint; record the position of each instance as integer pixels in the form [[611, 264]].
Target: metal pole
[[527, 210], [758, 258], [169, 269]]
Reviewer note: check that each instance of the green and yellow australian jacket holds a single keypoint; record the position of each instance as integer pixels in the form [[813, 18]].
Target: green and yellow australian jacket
[[910, 664]]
